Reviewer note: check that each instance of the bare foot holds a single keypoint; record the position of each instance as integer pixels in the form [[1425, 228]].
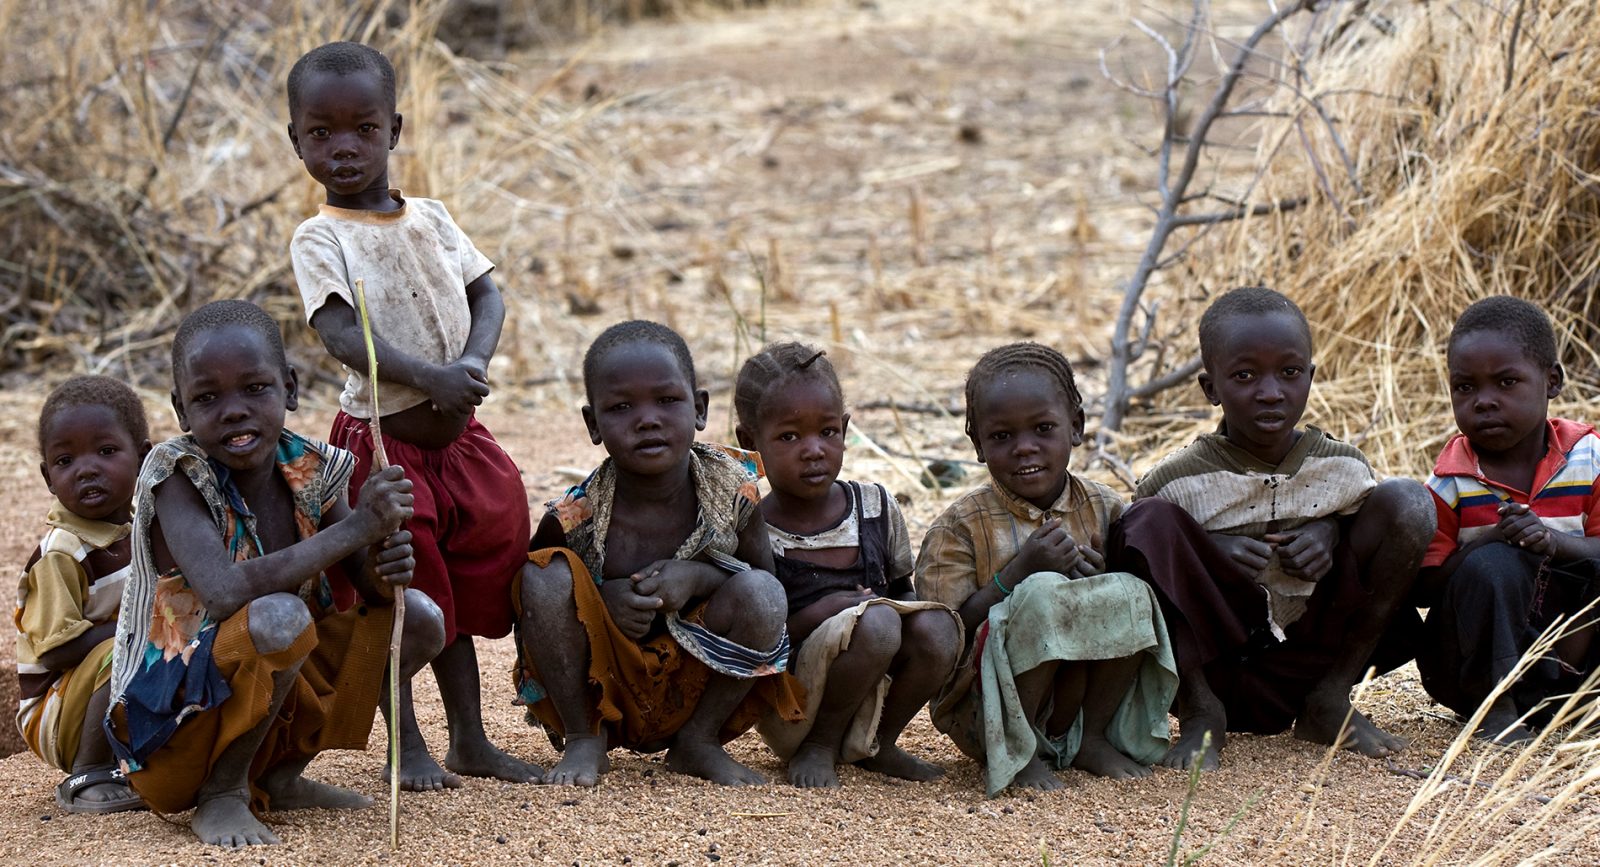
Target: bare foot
[[420, 773], [483, 759], [298, 793], [1191, 737], [1099, 757], [226, 820], [812, 767], [895, 762], [1323, 717], [707, 760], [582, 763], [1037, 775]]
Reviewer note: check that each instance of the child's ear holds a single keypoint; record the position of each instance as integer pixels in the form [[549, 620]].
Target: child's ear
[[1209, 387], [1077, 426], [590, 423], [977, 448], [44, 470], [291, 388], [1311, 373], [294, 139], [844, 425], [394, 130], [177, 409], [144, 450], [1558, 381], [702, 408], [746, 441]]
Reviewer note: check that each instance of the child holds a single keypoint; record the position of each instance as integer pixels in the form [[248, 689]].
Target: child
[[1067, 664], [868, 653], [649, 617], [1516, 545], [1278, 559], [232, 671], [92, 436], [436, 317]]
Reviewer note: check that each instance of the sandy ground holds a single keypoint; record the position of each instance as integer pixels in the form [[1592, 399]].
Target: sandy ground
[[815, 126]]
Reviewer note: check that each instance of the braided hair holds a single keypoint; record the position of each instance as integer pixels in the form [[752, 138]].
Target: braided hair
[[1515, 318], [223, 314], [1245, 301], [113, 394], [636, 331], [1020, 356], [775, 366], [340, 58]]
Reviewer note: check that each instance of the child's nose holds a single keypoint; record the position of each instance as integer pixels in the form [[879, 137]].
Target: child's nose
[[1271, 391]]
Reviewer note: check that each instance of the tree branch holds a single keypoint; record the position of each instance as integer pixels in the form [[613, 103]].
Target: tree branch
[[1240, 213]]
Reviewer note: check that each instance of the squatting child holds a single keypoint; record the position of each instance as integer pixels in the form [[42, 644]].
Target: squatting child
[[436, 317], [1517, 544], [867, 652], [649, 617], [1066, 664], [92, 436], [1279, 560], [232, 669]]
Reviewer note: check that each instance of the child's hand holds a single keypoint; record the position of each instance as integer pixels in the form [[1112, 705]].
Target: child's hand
[[459, 387], [386, 500], [1090, 560], [1048, 549], [1252, 554], [1521, 527], [391, 563], [673, 582], [1306, 553], [631, 612]]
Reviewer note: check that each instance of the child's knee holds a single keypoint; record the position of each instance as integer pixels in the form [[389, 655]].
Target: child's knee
[[759, 598], [877, 631], [276, 621], [424, 627], [932, 636], [545, 588], [1493, 568], [1405, 508]]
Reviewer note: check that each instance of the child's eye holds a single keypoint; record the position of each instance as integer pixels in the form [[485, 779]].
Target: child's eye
[[1242, 375], [1509, 382], [108, 450], [788, 437], [256, 387], [319, 132], [620, 407], [63, 460], [668, 399], [830, 432], [1000, 436], [369, 127], [1292, 372], [204, 397], [1046, 427]]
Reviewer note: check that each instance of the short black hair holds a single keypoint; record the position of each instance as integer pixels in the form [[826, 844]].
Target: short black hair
[[774, 367], [1245, 301], [1020, 356], [1517, 319], [223, 314], [113, 394], [340, 58], [637, 331]]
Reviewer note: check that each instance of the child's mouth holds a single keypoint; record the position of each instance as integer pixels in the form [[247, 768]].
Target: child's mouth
[[240, 443], [91, 496]]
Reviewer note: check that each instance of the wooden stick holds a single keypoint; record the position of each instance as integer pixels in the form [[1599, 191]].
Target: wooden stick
[[380, 459]]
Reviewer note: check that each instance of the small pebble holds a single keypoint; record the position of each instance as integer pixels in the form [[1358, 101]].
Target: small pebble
[[44, 818], [701, 832], [570, 802], [501, 839]]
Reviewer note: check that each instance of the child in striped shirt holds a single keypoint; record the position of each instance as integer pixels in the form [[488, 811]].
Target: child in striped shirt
[[1516, 545]]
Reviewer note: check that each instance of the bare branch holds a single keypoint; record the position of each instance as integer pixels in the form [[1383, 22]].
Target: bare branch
[[1260, 210], [1171, 379]]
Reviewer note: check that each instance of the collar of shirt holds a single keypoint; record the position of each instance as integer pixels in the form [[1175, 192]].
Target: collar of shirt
[[95, 534], [1458, 458], [1071, 497]]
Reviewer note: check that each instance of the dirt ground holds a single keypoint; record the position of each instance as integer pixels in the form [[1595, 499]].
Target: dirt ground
[[940, 177]]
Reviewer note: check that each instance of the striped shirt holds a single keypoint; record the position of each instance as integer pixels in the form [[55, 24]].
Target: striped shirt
[[1563, 494]]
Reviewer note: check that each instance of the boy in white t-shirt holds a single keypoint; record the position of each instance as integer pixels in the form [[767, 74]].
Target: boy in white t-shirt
[[436, 318]]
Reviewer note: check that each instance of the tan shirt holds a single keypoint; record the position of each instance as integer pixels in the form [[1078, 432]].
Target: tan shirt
[[981, 532], [415, 264], [61, 595]]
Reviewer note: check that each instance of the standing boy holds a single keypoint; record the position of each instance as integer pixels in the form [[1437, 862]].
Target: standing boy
[[436, 317]]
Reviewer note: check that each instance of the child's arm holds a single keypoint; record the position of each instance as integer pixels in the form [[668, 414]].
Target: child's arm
[[805, 621], [184, 535], [1306, 552], [1250, 553], [672, 584], [1521, 527], [1048, 549], [454, 388], [378, 570], [52, 618], [488, 316]]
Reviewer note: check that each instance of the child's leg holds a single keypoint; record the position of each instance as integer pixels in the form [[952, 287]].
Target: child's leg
[[222, 816], [930, 644], [1389, 537], [750, 609], [420, 639], [456, 670], [853, 675], [555, 640], [1106, 684], [1053, 679]]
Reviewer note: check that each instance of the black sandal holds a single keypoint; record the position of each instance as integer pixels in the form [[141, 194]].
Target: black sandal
[[67, 792]]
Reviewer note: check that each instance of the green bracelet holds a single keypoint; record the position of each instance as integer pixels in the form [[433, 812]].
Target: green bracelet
[[1004, 591]]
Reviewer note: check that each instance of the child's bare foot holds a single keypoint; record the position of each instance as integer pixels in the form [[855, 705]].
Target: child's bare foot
[[583, 760], [812, 767], [298, 793], [1099, 757], [1191, 737], [420, 773], [226, 820], [1323, 717], [895, 762], [1037, 775], [708, 761], [483, 759]]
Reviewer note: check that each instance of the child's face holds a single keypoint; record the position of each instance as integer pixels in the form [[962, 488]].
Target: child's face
[[1260, 373], [1025, 429], [91, 462], [643, 409], [800, 435], [344, 132], [1499, 394], [233, 394]]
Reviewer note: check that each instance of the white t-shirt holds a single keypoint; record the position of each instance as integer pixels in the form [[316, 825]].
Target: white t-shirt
[[415, 263]]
